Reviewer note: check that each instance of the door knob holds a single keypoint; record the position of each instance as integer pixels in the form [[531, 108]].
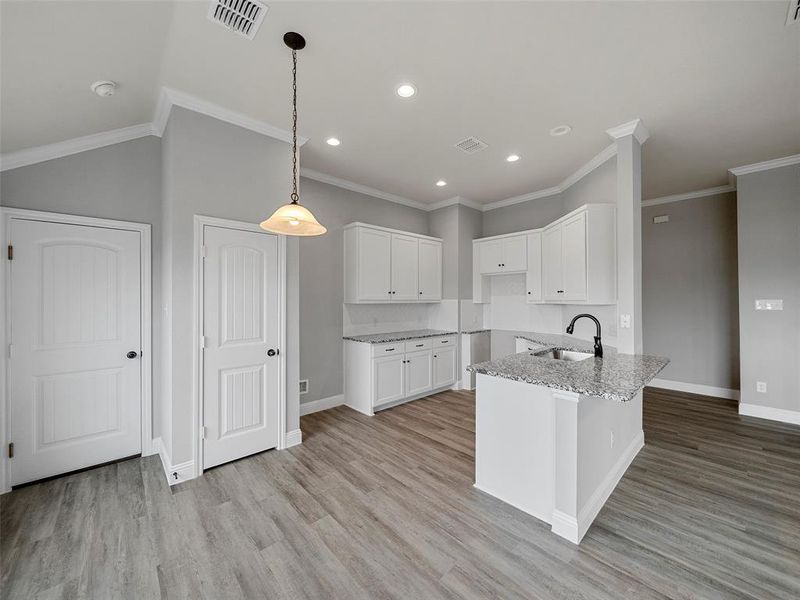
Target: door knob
[[271, 352], [131, 354]]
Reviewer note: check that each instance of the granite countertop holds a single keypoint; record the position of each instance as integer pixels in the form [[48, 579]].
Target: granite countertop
[[397, 336], [614, 377], [471, 331]]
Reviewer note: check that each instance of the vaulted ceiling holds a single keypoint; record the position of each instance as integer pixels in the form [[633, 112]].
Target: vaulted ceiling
[[717, 84]]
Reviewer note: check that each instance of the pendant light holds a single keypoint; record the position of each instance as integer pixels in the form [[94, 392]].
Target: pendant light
[[292, 218]]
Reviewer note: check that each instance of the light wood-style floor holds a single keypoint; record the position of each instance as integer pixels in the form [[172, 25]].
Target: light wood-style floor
[[384, 507]]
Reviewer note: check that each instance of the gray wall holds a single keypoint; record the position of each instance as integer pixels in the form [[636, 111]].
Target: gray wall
[[220, 170], [525, 215], [598, 187], [322, 276], [444, 223], [470, 227], [769, 267], [120, 182], [690, 290]]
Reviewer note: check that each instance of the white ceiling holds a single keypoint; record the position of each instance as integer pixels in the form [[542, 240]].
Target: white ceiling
[[717, 84]]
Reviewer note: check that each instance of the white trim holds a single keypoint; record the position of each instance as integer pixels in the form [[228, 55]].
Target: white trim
[[573, 529], [37, 154], [145, 250], [695, 388], [307, 408], [175, 474], [452, 201], [293, 438], [170, 97], [597, 160], [635, 128], [361, 189], [713, 191], [390, 230], [766, 165], [768, 412], [200, 222]]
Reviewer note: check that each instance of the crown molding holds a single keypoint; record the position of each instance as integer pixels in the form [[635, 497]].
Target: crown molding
[[721, 189], [31, 156], [452, 201], [361, 189], [170, 98], [607, 153], [635, 128], [766, 165]]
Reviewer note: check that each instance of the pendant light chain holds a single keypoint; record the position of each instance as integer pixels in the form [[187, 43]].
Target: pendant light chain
[[295, 196]]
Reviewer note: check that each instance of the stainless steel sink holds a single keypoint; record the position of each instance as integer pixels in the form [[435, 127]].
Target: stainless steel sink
[[567, 355]]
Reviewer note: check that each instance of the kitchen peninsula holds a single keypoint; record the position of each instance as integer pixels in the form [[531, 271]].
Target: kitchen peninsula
[[557, 427]]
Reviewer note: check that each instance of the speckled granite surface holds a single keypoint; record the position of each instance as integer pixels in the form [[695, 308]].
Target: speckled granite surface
[[614, 377], [471, 331], [397, 336], [564, 342]]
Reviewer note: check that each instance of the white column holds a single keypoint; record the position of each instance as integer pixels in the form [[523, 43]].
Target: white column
[[629, 138]]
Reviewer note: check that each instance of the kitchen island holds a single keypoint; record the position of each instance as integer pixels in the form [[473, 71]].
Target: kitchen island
[[556, 428]]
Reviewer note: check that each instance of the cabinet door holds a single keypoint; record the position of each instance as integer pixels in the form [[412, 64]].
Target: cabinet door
[[491, 257], [388, 379], [430, 270], [418, 372], [405, 267], [533, 277], [574, 261], [374, 264], [552, 263], [514, 256], [444, 367]]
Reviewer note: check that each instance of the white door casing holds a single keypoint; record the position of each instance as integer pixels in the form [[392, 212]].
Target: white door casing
[[76, 307], [242, 335]]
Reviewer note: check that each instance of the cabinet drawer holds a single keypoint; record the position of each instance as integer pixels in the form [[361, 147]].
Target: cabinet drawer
[[414, 345], [443, 342], [387, 349]]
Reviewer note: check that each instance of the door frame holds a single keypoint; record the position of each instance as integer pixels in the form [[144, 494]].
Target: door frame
[[7, 215], [198, 419]]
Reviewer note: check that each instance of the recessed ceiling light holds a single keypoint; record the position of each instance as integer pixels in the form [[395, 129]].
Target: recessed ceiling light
[[104, 89], [406, 90], [441, 183], [512, 157], [332, 141], [560, 130]]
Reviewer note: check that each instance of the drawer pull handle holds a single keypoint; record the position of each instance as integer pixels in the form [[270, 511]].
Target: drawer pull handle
[[389, 350], [420, 345], [444, 341]]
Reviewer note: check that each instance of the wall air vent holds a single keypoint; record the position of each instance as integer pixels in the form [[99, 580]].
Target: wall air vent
[[471, 145], [793, 15], [240, 16]]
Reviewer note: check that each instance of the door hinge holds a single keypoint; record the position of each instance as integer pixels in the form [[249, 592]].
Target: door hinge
[[203, 432], [10, 252], [203, 251], [11, 450], [203, 341]]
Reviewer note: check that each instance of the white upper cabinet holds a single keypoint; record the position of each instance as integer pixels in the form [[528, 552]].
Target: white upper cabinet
[[571, 261], [384, 265], [502, 255], [533, 277], [430, 270], [405, 268]]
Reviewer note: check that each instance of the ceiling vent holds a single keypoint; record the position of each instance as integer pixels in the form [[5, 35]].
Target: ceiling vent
[[794, 12], [240, 16], [471, 145]]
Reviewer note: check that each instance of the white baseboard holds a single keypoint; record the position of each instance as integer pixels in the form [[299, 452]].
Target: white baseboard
[[573, 529], [293, 438], [767, 412], [175, 473], [306, 408], [695, 388]]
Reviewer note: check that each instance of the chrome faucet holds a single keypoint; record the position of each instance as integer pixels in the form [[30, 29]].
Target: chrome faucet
[[598, 346]]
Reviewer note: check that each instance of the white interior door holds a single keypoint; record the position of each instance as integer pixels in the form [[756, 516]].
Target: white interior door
[[241, 359], [405, 267], [75, 315]]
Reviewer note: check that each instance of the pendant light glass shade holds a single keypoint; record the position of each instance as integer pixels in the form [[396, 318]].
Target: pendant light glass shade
[[293, 219]]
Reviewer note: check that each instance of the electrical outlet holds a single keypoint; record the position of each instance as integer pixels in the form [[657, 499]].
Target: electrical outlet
[[761, 387], [625, 321], [304, 386]]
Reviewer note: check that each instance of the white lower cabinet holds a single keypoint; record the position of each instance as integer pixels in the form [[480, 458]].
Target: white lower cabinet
[[377, 375]]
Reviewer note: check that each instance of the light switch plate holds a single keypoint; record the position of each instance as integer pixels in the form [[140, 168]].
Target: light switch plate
[[661, 219], [773, 304], [625, 321], [761, 387]]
